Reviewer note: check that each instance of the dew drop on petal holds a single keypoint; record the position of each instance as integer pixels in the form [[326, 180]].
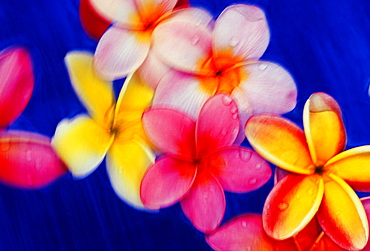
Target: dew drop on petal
[[234, 109], [224, 132], [235, 115], [283, 206], [195, 40], [244, 224], [245, 156], [29, 155], [226, 100], [233, 42], [310, 192], [258, 166], [262, 67], [253, 181]]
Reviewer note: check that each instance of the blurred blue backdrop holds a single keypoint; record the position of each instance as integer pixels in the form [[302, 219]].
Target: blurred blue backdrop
[[325, 45]]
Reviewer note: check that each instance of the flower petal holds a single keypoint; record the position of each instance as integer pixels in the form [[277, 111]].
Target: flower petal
[[154, 9], [342, 216], [27, 160], [82, 144], [325, 243], [127, 162], [120, 52], [366, 203], [97, 95], [281, 142], [238, 170], [134, 98], [217, 125], [199, 15], [269, 88], [16, 83], [93, 23], [189, 42], [291, 205], [182, 92], [323, 127], [205, 203], [243, 30], [171, 132], [123, 11], [166, 182], [153, 70], [244, 232], [353, 166]]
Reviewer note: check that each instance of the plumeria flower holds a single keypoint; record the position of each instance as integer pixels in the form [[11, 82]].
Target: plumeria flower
[[26, 159], [111, 128], [205, 61], [321, 175], [199, 161], [125, 45], [245, 232]]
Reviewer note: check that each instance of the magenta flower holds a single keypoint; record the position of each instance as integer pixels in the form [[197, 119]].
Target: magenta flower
[[26, 159], [208, 60], [199, 161]]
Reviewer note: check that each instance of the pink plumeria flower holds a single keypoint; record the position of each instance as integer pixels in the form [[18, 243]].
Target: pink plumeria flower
[[26, 159], [125, 45], [223, 59], [199, 161]]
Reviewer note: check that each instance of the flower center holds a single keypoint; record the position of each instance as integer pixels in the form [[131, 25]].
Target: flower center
[[319, 170]]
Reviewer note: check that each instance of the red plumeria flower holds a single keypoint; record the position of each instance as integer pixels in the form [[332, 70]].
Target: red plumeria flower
[[26, 159], [321, 174], [199, 161], [245, 232]]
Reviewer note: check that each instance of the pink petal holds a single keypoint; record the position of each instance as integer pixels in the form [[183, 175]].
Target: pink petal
[[189, 42], [16, 83], [182, 92], [171, 132], [166, 182], [239, 170], [218, 124], [243, 30], [269, 88], [153, 70], [366, 202], [27, 160], [244, 232], [205, 203], [120, 52], [199, 15]]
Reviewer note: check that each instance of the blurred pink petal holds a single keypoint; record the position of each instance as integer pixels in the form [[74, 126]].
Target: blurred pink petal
[[244, 232], [269, 88], [217, 125], [205, 203], [182, 92], [196, 14], [166, 182], [189, 42], [27, 160], [120, 52], [243, 30], [239, 170], [152, 70], [16, 83], [171, 132]]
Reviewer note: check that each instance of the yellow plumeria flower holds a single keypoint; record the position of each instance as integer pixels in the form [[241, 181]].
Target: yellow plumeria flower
[[111, 129], [321, 175]]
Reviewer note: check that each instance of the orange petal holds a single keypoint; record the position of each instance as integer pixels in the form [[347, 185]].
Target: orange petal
[[323, 127], [342, 216], [291, 205], [281, 142], [353, 166]]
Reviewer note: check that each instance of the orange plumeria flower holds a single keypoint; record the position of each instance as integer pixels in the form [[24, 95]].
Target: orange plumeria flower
[[321, 175]]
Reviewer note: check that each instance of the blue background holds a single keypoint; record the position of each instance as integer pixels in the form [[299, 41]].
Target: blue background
[[324, 44]]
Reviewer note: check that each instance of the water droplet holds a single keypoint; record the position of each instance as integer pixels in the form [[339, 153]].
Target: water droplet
[[28, 155], [310, 192], [249, 249], [5, 145], [234, 109], [244, 224], [337, 213], [253, 181], [211, 190], [283, 206], [38, 164], [224, 132], [195, 40], [235, 116], [235, 131], [258, 166], [198, 23], [298, 197], [245, 156], [226, 100], [262, 67], [233, 41]]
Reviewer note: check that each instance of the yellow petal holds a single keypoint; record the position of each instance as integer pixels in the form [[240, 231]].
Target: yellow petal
[[82, 144], [127, 162], [281, 142], [353, 166], [342, 215], [97, 95], [133, 99], [291, 205], [323, 127]]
